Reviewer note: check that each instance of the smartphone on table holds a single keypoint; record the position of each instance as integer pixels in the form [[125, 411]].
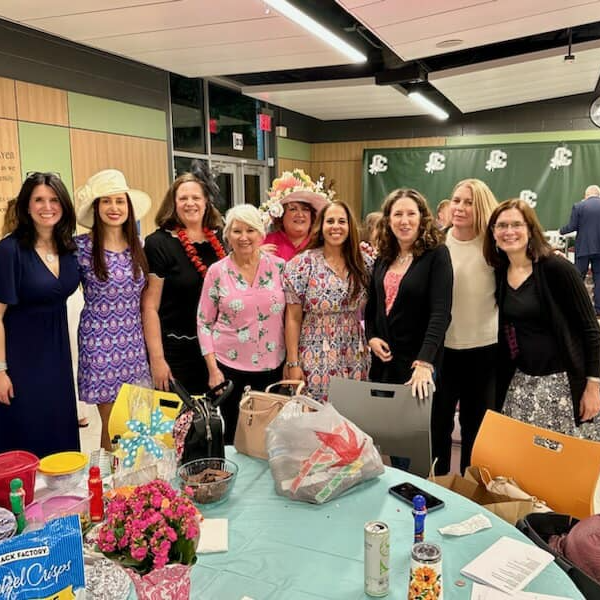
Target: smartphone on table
[[407, 491]]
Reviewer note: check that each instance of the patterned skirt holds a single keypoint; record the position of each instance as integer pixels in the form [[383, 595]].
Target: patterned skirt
[[545, 401]]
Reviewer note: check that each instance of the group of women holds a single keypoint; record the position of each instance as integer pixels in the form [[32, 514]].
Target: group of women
[[479, 308]]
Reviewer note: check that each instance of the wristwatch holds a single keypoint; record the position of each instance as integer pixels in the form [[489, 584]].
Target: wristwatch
[[290, 364]]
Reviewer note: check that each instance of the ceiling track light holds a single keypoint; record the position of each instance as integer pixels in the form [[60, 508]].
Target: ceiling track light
[[291, 12], [432, 108]]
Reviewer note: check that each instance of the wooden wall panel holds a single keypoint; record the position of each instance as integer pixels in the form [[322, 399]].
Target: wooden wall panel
[[143, 161], [10, 165], [8, 102], [288, 164], [347, 178], [41, 104], [354, 150]]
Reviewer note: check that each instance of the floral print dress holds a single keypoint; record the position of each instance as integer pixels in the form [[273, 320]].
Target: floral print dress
[[332, 340]]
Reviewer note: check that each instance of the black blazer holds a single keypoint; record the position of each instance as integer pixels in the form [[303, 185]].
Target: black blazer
[[566, 305], [417, 323]]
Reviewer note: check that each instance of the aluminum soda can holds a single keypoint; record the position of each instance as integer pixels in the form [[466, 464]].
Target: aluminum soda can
[[377, 558], [425, 572]]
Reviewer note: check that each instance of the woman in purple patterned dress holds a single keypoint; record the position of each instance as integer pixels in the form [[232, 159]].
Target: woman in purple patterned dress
[[113, 271]]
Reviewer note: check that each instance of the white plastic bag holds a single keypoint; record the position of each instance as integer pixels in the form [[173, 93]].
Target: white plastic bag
[[316, 456]]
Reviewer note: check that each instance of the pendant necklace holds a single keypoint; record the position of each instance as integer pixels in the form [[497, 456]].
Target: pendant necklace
[[404, 259]]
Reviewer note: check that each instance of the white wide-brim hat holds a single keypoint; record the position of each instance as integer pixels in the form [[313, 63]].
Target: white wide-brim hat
[[107, 183], [316, 200]]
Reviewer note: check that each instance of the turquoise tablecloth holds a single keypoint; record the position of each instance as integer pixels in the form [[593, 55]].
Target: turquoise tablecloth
[[285, 550]]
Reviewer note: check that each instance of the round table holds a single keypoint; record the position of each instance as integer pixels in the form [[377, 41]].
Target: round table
[[285, 550]]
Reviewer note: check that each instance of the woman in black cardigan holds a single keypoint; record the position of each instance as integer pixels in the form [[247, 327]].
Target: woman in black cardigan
[[410, 298], [548, 333]]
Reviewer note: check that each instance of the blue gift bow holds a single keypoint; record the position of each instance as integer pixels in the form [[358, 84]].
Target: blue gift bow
[[144, 436]]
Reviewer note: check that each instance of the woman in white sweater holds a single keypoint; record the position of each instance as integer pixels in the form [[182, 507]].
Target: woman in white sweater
[[467, 374]]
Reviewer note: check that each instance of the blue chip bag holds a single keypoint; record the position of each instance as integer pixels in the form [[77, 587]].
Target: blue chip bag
[[46, 564]]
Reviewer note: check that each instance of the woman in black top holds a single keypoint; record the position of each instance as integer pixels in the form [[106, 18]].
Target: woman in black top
[[549, 335], [410, 298], [179, 254]]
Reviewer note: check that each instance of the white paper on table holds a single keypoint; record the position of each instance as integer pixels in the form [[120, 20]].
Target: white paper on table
[[213, 536], [508, 565], [472, 525], [483, 592]]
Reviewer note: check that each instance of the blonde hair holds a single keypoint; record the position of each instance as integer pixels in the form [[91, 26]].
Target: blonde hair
[[484, 203], [246, 213]]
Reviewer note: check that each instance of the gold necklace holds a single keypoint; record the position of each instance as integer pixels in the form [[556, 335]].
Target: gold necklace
[[403, 259]]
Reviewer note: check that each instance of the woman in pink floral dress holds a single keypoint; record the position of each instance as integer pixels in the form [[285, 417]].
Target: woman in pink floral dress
[[240, 315], [325, 293]]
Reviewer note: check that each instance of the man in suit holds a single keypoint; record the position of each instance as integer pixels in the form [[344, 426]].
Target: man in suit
[[585, 220]]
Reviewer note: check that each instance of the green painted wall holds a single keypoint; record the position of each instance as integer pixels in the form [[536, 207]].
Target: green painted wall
[[293, 149], [99, 114], [46, 148]]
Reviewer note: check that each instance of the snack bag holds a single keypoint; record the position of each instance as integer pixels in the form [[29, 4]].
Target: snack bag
[[316, 456], [46, 563]]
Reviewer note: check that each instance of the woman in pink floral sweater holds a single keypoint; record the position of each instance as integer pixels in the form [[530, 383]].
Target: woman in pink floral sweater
[[241, 313]]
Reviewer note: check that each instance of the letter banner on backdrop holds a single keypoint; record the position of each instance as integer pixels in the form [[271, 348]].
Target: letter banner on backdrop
[[551, 177]]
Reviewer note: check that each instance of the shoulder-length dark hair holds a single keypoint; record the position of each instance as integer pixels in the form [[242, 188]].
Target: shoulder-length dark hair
[[538, 247], [62, 233], [359, 276], [166, 217], [138, 257], [428, 237]]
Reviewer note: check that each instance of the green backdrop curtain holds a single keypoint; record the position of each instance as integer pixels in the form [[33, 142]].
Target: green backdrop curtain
[[550, 176]]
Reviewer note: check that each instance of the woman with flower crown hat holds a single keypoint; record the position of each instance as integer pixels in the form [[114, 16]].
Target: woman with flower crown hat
[[179, 254], [293, 204]]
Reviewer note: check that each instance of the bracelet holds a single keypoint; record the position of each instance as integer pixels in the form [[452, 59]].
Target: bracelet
[[4, 366], [422, 363], [593, 379], [290, 364]]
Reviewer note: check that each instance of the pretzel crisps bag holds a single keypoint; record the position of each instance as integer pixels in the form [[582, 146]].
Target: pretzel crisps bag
[[316, 456], [46, 563]]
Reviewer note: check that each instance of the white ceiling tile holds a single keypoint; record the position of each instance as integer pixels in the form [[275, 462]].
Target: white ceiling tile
[[412, 29], [345, 99], [510, 81]]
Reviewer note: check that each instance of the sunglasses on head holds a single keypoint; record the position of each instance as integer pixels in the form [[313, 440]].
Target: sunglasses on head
[[43, 173]]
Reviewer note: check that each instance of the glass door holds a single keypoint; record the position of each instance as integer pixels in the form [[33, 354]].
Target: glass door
[[255, 184], [239, 181]]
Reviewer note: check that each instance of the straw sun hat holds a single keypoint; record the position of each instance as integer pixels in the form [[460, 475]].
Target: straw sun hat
[[106, 183]]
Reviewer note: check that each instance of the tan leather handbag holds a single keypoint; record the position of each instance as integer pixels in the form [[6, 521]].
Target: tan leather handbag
[[257, 410]]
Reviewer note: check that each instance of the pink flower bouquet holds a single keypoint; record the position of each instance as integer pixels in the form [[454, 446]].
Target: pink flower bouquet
[[151, 528]]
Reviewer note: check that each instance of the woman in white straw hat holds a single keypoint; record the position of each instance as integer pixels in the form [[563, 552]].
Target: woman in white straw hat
[[113, 270]]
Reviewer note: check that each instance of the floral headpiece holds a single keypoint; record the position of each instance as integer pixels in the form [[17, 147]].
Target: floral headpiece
[[290, 182]]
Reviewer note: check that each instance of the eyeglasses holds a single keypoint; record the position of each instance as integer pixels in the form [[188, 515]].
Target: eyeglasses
[[507, 226], [45, 173]]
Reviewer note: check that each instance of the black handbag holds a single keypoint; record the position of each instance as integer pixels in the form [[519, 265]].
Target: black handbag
[[198, 429]]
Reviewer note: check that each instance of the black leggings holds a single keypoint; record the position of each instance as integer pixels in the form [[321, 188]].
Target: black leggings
[[257, 380], [468, 376]]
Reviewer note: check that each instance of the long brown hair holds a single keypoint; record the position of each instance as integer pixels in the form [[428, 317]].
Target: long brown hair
[[166, 217], [428, 237], [359, 277], [62, 232], [538, 247], [138, 257]]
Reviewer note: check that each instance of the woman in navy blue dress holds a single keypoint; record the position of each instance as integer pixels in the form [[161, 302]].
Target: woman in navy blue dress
[[38, 272]]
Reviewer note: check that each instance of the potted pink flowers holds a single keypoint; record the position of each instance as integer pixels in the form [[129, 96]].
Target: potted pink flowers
[[153, 533]]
